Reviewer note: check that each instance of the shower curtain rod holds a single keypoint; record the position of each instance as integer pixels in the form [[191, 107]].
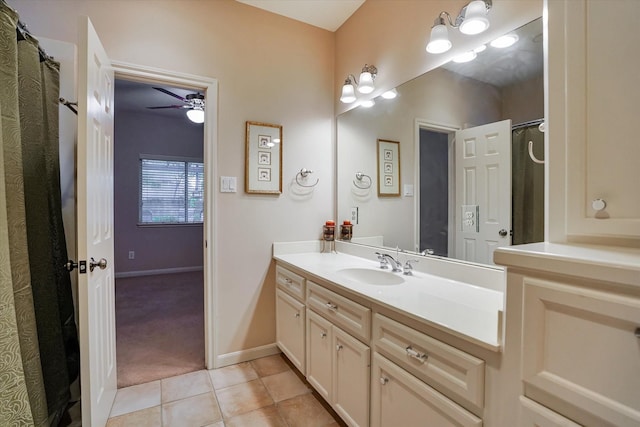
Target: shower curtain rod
[[525, 124], [22, 29]]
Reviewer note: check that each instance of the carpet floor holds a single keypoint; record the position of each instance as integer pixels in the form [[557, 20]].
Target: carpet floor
[[159, 327]]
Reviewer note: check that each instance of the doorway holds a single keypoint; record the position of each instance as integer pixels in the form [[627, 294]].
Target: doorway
[[158, 231]]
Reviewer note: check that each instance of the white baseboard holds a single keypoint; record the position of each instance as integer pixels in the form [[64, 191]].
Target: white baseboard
[[124, 274], [246, 355]]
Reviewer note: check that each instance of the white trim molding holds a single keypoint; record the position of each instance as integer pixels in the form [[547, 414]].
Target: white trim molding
[[246, 355]]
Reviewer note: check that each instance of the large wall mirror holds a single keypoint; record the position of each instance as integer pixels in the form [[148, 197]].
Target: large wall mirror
[[468, 183]]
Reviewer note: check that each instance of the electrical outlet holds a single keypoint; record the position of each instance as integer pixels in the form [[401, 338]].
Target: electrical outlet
[[354, 215], [132, 255], [470, 219]]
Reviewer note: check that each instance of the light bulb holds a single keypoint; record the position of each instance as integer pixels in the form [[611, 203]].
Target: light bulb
[[348, 93], [390, 94], [480, 48], [368, 103], [196, 115], [475, 19], [465, 57], [439, 40], [505, 41], [366, 83]]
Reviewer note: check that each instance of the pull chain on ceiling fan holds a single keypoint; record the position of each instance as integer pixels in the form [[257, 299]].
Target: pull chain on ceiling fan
[[193, 103]]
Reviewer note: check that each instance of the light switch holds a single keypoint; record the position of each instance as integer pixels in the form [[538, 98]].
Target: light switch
[[228, 184], [408, 190]]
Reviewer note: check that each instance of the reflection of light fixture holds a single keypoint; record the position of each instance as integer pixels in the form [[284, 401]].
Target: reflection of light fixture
[[465, 57], [480, 48], [505, 41], [368, 103], [390, 94], [196, 115], [471, 20], [367, 76]]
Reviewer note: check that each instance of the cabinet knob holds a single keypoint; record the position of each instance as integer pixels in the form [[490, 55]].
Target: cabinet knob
[[331, 306], [637, 332], [384, 380], [297, 315], [338, 347], [288, 282], [323, 335], [598, 205]]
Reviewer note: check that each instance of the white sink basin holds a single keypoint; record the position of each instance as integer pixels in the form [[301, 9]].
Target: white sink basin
[[370, 276]]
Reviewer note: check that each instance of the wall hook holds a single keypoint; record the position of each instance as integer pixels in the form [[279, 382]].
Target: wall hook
[[304, 173], [533, 157], [362, 184]]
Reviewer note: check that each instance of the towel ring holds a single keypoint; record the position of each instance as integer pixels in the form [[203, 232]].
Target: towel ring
[[360, 176], [533, 156], [304, 173]]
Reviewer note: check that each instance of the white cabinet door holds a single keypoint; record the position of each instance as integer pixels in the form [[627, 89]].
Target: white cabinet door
[[351, 364], [581, 352], [400, 399], [319, 353], [290, 328], [593, 115]]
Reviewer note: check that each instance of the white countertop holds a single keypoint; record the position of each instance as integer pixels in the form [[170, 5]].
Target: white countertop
[[464, 310]]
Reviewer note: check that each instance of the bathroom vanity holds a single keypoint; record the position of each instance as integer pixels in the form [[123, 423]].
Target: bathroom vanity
[[385, 348]]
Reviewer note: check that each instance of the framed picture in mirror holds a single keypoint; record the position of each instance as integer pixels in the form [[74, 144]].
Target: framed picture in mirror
[[388, 168], [263, 158]]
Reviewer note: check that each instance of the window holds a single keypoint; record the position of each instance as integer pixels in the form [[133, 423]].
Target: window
[[171, 191]]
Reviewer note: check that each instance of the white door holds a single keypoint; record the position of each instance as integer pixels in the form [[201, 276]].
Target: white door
[[483, 191], [96, 294]]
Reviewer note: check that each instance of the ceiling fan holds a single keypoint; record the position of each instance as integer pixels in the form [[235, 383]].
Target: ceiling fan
[[193, 103]]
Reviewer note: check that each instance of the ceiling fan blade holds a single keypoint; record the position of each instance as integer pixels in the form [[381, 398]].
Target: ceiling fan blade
[[168, 106], [170, 93]]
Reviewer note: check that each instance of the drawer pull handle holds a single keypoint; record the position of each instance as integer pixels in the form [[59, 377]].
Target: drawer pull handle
[[416, 355], [323, 335], [331, 306], [297, 315], [384, 380], [288, 282], [637, 332], [338, 347]]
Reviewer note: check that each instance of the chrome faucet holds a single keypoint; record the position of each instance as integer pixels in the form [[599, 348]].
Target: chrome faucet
[[385, 259]]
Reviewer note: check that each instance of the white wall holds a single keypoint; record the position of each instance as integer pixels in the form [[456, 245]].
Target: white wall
[[270, 69]]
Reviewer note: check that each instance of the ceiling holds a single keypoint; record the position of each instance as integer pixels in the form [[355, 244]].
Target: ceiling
[[327, 14]]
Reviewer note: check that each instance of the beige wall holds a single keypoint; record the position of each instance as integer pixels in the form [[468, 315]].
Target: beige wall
[[393, 34], [269, 68]]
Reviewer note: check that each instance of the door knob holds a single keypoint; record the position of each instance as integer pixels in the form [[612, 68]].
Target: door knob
[[102, 264], [503, 233]]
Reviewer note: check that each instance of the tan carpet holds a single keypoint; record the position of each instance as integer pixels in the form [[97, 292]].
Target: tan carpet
[[159, 327]]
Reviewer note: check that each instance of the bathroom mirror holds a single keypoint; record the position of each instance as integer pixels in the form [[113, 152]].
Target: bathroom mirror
[[434, 213]]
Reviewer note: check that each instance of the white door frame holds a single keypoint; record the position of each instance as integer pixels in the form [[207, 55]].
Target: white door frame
[[210, 87], [442, 128]]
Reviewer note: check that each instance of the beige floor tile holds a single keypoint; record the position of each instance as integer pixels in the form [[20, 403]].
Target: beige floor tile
[[263, 417], [304, 411], [232, 375], [135, 398], [193, 411], [285, 385], [150, 417], [218, 424], [187, 385], [270, 365], [241, 398]]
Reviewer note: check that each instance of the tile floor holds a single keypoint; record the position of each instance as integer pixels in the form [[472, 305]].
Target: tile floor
[[262, 392]]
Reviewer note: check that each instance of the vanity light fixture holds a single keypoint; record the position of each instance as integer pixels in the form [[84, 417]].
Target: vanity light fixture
[[471, 20], [390, 94], [505, 41], [368, 103], [367, 76], [465, 57], [480, 48]]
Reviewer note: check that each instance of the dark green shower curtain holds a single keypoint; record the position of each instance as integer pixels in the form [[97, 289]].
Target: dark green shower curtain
[[527, 181], [35, 250]]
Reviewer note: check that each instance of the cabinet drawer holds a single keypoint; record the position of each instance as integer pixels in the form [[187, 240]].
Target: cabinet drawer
[[290, 282], [400, 399], [456, 373], [535, 415], [350, 316], [580, 350]]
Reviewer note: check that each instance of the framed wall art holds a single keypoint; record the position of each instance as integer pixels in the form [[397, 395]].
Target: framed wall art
[[388, 168], [263, 158]]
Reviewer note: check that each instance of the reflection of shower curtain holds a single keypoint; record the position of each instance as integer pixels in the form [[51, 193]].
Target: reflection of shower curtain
[[38, 339], [527, 180]]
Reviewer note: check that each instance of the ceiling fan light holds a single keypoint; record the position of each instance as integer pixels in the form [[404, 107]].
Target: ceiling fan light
[[439, 41], [475, 18], [196, 115]]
